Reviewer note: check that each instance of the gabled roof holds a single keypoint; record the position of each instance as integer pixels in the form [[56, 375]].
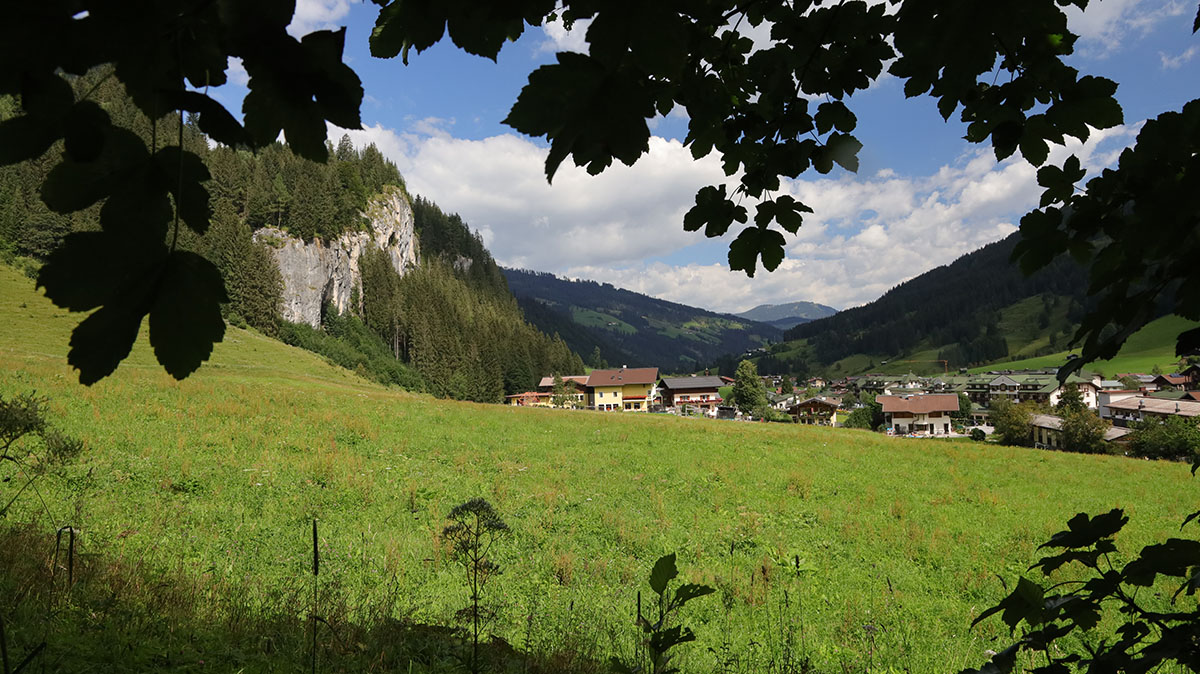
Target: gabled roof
[[919, 404], [577, 378], [1184, 408], [817, 400], [690, 383], [623, 376]]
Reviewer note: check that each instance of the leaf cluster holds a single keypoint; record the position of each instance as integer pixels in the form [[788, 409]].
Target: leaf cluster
[[1155, 187], [1054, 615], [660, 635], [164, 54]]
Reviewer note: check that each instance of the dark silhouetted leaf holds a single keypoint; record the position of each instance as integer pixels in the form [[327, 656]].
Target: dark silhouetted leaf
[[664, 570], [752, 243], [86, 129], [1083, 531], [83, 272], [185, 320], [26, 137], [185, 174]]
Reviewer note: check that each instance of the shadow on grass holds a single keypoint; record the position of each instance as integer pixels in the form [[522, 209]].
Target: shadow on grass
[[115, 614]]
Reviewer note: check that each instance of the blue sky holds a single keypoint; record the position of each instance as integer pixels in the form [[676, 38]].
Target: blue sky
[[922, 197]]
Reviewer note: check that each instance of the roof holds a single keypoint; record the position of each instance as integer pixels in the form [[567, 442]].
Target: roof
[[919, 404], [818, 401], [1055, 424], [688, 383], [1172, 379], [577, 378], [1046, 421], [623, 376], [1184, 408]]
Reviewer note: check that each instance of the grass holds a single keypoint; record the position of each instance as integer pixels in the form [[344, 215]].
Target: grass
[[596, 319], [194, 500], [1153, 345]]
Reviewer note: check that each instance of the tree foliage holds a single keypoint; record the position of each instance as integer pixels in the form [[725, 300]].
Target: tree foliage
[[1011, 421], [775, 112], [1056, 619], [748, 394], [1083, 431], [769, 114], [165, 55], [1175, 437]]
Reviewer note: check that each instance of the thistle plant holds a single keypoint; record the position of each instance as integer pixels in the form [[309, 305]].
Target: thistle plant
[[474, 527]]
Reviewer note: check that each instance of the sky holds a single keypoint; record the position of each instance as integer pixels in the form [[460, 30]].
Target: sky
[[922, 197]]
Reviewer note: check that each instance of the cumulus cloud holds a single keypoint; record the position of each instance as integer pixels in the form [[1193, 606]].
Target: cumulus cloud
[[1104, 27], [868, 233], [313, 15], [1174, 62]]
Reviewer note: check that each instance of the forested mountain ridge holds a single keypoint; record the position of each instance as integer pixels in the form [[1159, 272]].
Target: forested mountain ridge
[[631, 328], [980, 308], [450, 326]]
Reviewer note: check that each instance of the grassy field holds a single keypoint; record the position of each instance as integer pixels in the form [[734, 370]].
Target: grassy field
[[1153, 345], [194, 501]]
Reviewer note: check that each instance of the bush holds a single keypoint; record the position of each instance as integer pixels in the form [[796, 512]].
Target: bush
[[348, 343], [978, 435], [1174, 438]]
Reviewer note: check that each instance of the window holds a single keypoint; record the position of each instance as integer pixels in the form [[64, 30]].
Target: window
[[602, 394]]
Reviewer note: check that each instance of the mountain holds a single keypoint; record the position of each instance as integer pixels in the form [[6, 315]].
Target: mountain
[[979, 309], [789, 315], [632, 329]]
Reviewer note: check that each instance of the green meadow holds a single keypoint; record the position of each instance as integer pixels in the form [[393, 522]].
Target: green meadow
[[1152, 346], [194, 504]]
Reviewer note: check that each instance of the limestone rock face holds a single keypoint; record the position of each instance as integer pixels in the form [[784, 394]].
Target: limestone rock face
[[327, 272]]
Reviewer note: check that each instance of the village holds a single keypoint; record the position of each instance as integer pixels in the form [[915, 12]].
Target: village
[[912, 405]]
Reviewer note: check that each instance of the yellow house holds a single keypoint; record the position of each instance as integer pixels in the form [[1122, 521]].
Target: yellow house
[[624, 389]]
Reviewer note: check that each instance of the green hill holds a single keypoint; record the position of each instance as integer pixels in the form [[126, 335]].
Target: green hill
[[630, 328], [194, 504], [978, 312], [1152, 346]]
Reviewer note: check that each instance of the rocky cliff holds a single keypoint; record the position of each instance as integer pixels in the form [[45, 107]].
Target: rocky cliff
[[320, 272]]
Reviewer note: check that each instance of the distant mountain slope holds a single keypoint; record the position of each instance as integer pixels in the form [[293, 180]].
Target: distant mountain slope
[[978, 309], [789, 315], [630, 328]]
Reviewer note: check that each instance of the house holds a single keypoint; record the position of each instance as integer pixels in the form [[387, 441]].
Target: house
[[1107, 397], [694, 392], [1145, 381], [528, 399], [1047, 432], [1192, 373], [1170, 382], [623, 389], [1018, 386], [1140, 408], [925, 414], [816, 411], [575, 385]]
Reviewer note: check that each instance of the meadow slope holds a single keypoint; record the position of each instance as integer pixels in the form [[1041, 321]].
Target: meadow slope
[[195, 499]]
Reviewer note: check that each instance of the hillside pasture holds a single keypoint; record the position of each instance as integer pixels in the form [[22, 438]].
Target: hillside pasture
[[194, 503]]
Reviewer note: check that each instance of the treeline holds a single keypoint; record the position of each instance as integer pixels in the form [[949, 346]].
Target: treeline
[[451, 327], [957, 304], [466, 344]]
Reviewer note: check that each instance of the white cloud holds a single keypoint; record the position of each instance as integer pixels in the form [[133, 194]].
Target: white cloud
[[1173, 62], [558, 38], [1105, 27], [867, 234], [313, 15], [237, 72]]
